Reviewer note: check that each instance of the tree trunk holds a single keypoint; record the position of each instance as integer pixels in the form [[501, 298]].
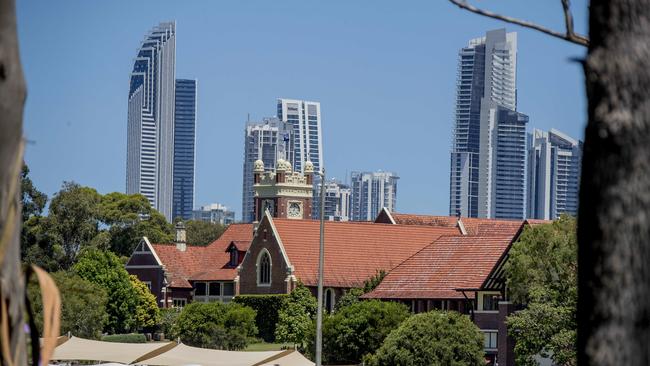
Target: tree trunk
[[12, 99], [614, 216]]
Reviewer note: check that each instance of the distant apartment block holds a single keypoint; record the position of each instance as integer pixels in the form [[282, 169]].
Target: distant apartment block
[[372, 191], [150, 119], [184, 148], [486, 129], [305, 119], [268, 140], [337, 201], [215, 213], [554, 162]]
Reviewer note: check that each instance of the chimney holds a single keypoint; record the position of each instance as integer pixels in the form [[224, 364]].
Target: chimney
[[181, 242]]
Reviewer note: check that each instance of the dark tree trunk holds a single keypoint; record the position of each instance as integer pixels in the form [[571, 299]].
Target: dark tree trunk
[[614, 217], [12, 99]]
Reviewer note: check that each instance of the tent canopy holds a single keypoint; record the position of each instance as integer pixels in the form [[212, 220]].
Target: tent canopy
[[171, 354]]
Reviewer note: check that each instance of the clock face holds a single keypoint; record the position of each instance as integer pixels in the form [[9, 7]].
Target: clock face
[[268, 205], [294, 210]]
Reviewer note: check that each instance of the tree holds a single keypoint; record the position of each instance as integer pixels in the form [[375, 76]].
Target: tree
[[129, 218], [295, 318], [359, 329], [541, 273], [203, 232], [83, 305], [33, 200], [216, 325], [147, 312], [106, 270], [354, 294], [433, 338]]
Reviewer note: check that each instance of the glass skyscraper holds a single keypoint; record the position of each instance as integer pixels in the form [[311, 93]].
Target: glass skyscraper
[[372, 191], [184, 148], [486, 94], [268, 141], [337, 201], [150, 125], [554, 162], [304, 117]]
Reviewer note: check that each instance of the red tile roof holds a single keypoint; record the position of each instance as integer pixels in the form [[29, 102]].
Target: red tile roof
[[473, 226], [450, 263], [209, 263], [354, 251]]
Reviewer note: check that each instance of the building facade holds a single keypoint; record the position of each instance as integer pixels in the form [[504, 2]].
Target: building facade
[[338, 199], [268, 140], [305, 119], [486, 75], [150, 124], [184, 148], [372, 191], [215, 213], [554, 163]]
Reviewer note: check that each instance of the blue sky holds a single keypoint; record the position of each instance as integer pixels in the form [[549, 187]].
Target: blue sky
[[384, 72]]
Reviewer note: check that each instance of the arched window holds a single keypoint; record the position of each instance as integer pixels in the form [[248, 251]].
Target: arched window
[[264, 268], [329, 300]]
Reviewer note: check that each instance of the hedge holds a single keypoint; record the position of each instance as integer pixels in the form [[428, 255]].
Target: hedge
[[125, 338], [267, 307]]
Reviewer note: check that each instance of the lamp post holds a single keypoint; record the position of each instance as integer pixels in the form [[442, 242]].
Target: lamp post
[[321, 262]]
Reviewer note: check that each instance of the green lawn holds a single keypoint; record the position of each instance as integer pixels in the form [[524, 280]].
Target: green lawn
[[268, 346]]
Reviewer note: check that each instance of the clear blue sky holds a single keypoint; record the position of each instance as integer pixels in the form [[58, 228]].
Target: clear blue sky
[[384, 72]]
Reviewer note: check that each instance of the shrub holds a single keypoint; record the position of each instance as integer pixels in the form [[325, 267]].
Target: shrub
[[83, 305], [359, 329], [147, 312], [216, 325], [169, 316], [295, 319], [267, 308], [433, 338], [125, 338]]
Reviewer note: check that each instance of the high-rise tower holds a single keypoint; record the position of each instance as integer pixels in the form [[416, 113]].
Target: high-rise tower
[[304, 118], [486, 91], [554, 162], [184, 148], [150, 136], [372, 191]]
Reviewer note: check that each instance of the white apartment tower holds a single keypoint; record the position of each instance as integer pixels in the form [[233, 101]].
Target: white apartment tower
[[305, 119], [150, 125], [372, 191], [554, 162]]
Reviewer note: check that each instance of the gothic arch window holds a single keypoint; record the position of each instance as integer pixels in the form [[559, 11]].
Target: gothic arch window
[[329, 300], [264, 268]]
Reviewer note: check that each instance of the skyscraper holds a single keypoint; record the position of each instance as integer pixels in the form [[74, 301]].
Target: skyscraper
[[371, 192], [554, 162], [486, 90], [337, 201], [215, 213], [268, 141], [304, 118], [150, 125], [184, 143]]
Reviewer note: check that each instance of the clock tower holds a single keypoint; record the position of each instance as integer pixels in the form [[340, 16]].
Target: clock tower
[[284, 193]]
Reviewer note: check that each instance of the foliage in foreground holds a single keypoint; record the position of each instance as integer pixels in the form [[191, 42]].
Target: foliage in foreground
[[358, 330], [433, 338], [542, 274], [83, 305], [295, 318], [216, 325], [147, 312], [267, 308]]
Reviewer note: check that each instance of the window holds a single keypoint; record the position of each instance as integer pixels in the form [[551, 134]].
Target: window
[[214, 289], [490, 340], [264, 268], [179, 303], [200, 289], [234, 257], [148, 283], [491, 302], [228, 289], [329, 300]]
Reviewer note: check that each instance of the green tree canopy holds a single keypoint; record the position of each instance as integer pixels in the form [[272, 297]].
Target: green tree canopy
[[295, 318], [541, 273], [147, 313], [354, 294], [106, 270], [33, 200], [202, 232], [358, 330], [216, 325], [83, 305], [433, 338]]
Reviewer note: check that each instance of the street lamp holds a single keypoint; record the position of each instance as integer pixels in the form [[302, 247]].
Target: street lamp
[[321, 262]]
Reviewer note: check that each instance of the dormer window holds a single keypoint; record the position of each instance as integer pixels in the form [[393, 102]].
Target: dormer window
[[234, 256]]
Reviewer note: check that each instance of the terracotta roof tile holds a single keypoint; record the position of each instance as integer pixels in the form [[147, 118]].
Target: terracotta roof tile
[[450, 263], [473, 226], [353, 251], [209, 263]]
